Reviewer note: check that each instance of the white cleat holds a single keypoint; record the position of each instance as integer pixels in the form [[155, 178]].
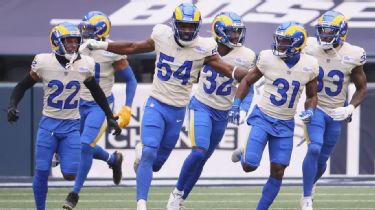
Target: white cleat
[[236, 155], [306, 203], [176, 202], [138, 155], [313, 192], [141, 205]]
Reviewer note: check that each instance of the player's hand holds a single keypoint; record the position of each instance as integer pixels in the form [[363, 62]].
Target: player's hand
[[13, 114], [307, 115], [125, 116], [93, 44], [349, 119], [112, 124], [234, 115], [243, 115], [342, 113]]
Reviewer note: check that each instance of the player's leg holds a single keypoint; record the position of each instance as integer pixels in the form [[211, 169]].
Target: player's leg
[[46, 145], [217, 133], [253, 149], [331, 136], [314, 132], [152, 130], [280, 151], [69, 150]]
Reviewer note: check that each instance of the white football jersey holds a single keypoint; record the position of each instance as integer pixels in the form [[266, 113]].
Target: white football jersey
[[176, 68], [62, 87], [215, 89], [334, 72], [283, 85], [104, 71]]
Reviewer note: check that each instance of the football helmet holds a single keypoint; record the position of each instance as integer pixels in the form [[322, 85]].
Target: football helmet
[[289, 39], [331, 29], [229, 29], [95, 25], [65, 40], [186, 21]]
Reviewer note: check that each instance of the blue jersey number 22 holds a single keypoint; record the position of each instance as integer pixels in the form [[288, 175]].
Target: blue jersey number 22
[[67, 104], [178, 74], [283, 87]]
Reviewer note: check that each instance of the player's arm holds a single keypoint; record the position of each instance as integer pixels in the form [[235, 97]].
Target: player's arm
[[251, 77], [121, 47], [122, 67], [228, 70], [311, 101], [18, 93], [359, 79], [101, 100]]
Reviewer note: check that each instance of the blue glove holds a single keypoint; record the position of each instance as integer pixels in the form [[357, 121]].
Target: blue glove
[[307, 115], [234, 113]]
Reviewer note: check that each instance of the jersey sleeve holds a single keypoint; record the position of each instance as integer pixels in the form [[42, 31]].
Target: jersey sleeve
[[261, 62], [251, 61], [311, 43], [315, 69], [360, 58], [91, 64], [158, 31], [36, 65]]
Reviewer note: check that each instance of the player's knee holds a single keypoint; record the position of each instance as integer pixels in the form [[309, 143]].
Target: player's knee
[[148, 154], [199, 154], [314, 149], [248, 168], [277, 170], [69, 177]]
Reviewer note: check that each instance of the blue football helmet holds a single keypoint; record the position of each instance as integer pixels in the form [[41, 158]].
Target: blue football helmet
[[186, 21], [229, 29], [65, 40], [290, 38], [331, 29], [95, 25]]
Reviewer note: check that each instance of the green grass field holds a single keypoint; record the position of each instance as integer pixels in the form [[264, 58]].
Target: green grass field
[[224, 198]]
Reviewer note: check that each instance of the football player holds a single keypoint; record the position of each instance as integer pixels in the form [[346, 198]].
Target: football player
[[339, 62], [211, 103], [286, 71], [96, 25], [63, 73], [180, 55]]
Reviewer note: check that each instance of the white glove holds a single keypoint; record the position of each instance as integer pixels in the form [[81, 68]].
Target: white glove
[[342, 113], [243, 115], [93, 44]]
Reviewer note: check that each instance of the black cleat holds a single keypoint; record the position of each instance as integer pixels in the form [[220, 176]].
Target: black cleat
[[71, 201], [117, 168]]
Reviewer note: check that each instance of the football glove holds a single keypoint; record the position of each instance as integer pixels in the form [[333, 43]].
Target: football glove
[[13, 114], [125, 115], [93, 44], [342, 113], [243, 115], [307, 115], [113, 125], [234, 115]]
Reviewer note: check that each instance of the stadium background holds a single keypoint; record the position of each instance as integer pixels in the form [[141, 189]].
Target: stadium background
[[23, 34]]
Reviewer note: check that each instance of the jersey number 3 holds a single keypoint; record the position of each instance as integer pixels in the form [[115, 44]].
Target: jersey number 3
[[60, 104], [178, 74], [338, 83]]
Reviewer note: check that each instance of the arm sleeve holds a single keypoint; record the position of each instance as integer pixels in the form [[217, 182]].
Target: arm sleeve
[[19, 91], [260, 63], [131, 84], [246, 102], [98, 95]]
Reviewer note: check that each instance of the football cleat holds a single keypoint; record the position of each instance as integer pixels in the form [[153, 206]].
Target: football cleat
[[138, 155], [175, 201], [313, 192], [55, 160], [71, 201], [141, 205], [117, 168], [306, 203], [236, 155]]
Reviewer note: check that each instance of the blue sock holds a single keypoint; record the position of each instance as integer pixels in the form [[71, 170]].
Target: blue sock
[[144, 172], [84, 167], [189, 167], [190, 183], [309, 168], [100, 154], [40, 188], [269, 193]]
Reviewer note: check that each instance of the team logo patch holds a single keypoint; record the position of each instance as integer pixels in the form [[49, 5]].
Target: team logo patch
[[83, 69], [239, 61], [307, 69], [348, 59], [199, 49], [33, 64]]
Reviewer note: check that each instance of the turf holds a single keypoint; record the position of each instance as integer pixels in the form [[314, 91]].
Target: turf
[[224, 198]]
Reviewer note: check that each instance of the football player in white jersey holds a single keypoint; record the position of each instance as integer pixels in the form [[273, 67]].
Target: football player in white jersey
[[96, 25], [180, 55], [339, 61], [62, 73], [211, 103], [286, 71]]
